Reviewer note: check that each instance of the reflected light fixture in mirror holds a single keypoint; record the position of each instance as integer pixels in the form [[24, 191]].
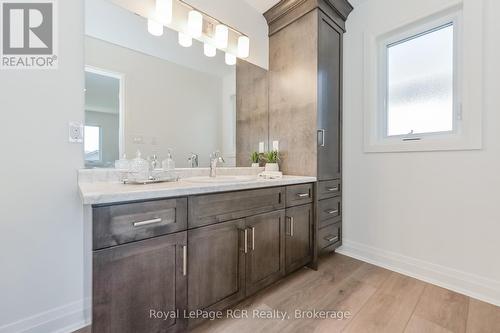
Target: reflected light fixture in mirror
[[195, 23], [185, 40], [209, 50], [230, 59], [243, 47], [164, 11], [221, 36], [155, 28]]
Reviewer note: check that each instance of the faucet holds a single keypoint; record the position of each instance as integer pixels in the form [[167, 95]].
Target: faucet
[[214, 158], [193, 160]]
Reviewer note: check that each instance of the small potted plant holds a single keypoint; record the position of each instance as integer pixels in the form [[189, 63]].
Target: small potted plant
[[272, 158], [255, 158]]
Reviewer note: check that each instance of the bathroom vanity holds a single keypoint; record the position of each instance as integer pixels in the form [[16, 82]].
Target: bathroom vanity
[[206, 249]]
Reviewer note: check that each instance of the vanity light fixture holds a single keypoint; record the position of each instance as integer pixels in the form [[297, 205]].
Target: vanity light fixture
[[221, 36], [155, 28], [209, 50], [243, 47], [195, 23], [230, 59], [185, 40], [164, 11]]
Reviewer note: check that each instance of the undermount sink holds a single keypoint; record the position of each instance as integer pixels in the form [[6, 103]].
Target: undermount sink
[[221, 179]]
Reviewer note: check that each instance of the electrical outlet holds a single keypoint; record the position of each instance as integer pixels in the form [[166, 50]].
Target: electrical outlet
[[261, 147], [138, 140], [276, 145], [75, 132]]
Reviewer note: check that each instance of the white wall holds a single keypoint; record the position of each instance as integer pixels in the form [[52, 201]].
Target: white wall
[[41, 231], [433, 215], [41, 238]]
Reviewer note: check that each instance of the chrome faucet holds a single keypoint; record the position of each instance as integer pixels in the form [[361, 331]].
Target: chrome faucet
[[215, 157], [193, 160]]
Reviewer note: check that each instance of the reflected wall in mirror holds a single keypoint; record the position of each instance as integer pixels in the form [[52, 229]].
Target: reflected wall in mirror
[[149, 93]]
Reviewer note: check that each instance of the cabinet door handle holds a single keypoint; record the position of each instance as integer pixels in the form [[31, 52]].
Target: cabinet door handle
[[331, 239], [292, 224], [184, 260], [332, 211], [321, 135], [332, 189], [253, 238], [303, 195], [246, 240], [147, 222]]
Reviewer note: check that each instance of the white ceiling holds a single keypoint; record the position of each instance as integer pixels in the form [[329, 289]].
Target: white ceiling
[[262, 5]]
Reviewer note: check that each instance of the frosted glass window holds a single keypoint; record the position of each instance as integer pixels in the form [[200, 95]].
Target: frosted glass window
[[420, 83], [92, 143]]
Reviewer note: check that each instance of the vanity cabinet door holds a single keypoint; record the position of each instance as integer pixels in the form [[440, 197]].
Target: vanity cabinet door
[[329, 99], [265, 260], [298, 239], [132, 280], [216, 266]]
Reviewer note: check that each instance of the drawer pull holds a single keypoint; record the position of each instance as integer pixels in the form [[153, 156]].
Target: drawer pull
[[332, 189], [303, 195], [147, 222], [184, 260], [246, 240], [331, 239], [253, 238], [292, 225], [332, 211]]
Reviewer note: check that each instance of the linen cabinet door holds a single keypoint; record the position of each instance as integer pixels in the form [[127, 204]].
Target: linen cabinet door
[[298, 239], [131, 280], [216, 266], [329, 99], [266, 250]]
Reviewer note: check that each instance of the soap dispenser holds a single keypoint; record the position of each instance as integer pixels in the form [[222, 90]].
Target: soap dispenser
[[168, 164]]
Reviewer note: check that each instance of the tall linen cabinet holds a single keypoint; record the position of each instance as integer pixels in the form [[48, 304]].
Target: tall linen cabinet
[[305, 102]]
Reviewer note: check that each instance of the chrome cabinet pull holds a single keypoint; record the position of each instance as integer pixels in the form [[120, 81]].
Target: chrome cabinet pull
[[332, 211], [331, 239], [321, 132], [184, 260], [246, 241], [332, 189], [303, 195], [253, 238], [147, 222], [292, 224]]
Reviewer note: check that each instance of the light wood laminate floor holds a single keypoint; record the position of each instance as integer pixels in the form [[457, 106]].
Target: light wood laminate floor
[[377, 299]]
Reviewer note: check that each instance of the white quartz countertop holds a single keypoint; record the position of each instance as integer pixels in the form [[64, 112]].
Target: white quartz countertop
[[113, 192]]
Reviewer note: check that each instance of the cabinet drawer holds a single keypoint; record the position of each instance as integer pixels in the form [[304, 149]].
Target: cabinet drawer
[[220, 207], [124, 223], [329, 210], [330, 235], [329, 189], [298, 195]]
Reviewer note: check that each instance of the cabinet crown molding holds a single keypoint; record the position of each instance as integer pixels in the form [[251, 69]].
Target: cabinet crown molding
[[287, 11]]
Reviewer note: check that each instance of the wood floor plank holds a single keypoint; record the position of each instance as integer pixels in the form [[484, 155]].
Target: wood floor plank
[[442, 307], [390, 308], [420, 325], [483, 317], [371, 274]]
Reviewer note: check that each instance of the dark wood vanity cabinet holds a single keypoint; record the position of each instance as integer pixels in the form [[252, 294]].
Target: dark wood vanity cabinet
[[133, 281], [232, 245]]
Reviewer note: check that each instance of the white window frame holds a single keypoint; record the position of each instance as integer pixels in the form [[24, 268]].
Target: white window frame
[[100, 144], [467, 90]]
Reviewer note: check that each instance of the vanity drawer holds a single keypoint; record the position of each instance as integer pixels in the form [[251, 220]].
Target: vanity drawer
[[329, 210], [125, 223], [329, 189], [298, 195], [220, 207], [330, 235]]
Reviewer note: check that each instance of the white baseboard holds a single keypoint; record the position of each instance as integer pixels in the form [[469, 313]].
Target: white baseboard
[[472, 285], [64, 319]]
